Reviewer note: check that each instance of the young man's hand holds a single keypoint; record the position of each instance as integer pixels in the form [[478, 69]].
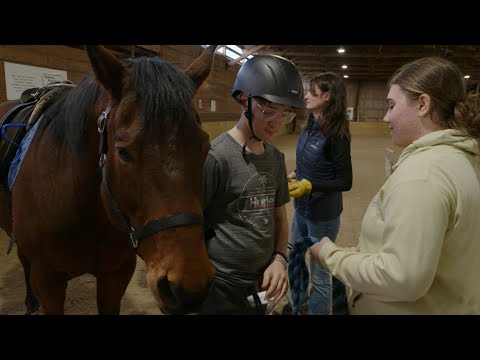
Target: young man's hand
[[275, 281]]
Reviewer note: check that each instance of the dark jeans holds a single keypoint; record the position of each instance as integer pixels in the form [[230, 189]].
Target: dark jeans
[[227, 299]]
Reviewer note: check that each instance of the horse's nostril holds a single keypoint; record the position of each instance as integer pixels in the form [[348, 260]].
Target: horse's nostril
[[177, 300], [165, 291]]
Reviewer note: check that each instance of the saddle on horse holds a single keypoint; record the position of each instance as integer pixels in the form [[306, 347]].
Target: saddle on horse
[[15, 124]]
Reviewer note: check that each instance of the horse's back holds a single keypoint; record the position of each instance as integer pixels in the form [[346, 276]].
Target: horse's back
[[7, 105]]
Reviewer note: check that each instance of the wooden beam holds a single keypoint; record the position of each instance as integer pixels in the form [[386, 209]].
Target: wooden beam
[[247, 53], [377, 55]]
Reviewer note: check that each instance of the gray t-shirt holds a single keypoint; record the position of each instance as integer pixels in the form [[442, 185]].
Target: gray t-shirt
[[240, 195]]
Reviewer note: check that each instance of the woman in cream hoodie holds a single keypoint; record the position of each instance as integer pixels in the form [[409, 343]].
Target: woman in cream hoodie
[[419, 245]]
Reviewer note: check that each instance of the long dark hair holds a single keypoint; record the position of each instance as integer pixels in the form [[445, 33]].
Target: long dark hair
[[335, 114]]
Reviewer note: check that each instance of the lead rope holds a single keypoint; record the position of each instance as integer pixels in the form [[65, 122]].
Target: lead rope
[[298, 274]]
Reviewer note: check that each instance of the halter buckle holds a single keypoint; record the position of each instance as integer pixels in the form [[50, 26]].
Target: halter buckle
[[132, 237], [102, 120], [101, 161]]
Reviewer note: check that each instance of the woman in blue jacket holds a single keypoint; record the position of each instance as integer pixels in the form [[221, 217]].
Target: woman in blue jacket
[[323, 171]]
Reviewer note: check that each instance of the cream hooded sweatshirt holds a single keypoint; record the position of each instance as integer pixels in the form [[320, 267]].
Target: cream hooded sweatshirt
[[419, 247]]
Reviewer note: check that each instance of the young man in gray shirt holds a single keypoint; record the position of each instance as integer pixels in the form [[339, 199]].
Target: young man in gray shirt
[[245, 190]]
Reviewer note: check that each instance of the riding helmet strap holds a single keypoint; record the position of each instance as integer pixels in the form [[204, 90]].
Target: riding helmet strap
[[249, 115]]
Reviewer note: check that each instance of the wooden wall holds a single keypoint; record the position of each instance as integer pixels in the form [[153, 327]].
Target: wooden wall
[[59, 57], [369, 100]]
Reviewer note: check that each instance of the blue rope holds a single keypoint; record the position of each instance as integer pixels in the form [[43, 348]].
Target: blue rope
[[298, 274], [4, 129]]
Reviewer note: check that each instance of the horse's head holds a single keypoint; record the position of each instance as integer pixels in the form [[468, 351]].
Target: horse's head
[[155, 150]]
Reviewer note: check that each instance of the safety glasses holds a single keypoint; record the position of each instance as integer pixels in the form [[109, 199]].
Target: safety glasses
[[270, 114]]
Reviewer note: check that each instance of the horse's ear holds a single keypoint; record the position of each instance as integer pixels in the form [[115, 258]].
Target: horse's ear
[[199, 70], [107, 68]]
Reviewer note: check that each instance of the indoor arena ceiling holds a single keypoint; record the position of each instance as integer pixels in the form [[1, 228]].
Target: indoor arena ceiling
[[364, 62], [369, 62]]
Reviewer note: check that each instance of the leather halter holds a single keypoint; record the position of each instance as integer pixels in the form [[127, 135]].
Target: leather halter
[[154, 226]]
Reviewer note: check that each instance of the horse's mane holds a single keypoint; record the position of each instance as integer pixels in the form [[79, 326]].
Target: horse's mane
[[164, 95]]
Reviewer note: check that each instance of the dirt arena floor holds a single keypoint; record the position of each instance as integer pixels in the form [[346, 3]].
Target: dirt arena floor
[[369, 143]]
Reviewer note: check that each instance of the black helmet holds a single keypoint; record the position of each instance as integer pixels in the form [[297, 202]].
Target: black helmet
[[271, 77]]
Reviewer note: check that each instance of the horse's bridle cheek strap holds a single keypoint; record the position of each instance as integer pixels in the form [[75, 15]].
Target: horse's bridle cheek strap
[[101, 125]]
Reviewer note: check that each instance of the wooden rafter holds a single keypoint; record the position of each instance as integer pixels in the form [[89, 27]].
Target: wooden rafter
[[247, 53]]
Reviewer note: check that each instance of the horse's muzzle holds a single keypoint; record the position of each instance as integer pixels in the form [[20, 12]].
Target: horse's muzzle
[[178, 301]]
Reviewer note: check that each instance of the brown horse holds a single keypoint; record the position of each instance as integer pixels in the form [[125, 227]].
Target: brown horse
[[73, 214]]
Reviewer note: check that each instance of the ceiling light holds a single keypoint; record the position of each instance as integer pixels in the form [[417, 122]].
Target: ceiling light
[[345, 76], [467, 76], [344, 66], [341, 50]]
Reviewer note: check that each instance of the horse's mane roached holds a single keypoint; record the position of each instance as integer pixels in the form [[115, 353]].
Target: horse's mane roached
[[164, 95]]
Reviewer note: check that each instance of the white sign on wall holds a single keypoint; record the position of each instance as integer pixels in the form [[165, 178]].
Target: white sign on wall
[[21, 77], [350, 113]]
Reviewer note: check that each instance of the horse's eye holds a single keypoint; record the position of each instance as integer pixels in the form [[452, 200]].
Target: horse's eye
[[123, 153]]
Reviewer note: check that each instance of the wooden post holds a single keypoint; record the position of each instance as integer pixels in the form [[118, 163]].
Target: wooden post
[[356, 101]]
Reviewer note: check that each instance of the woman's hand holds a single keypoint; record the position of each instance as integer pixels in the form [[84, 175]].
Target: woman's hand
[[315, 248]]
